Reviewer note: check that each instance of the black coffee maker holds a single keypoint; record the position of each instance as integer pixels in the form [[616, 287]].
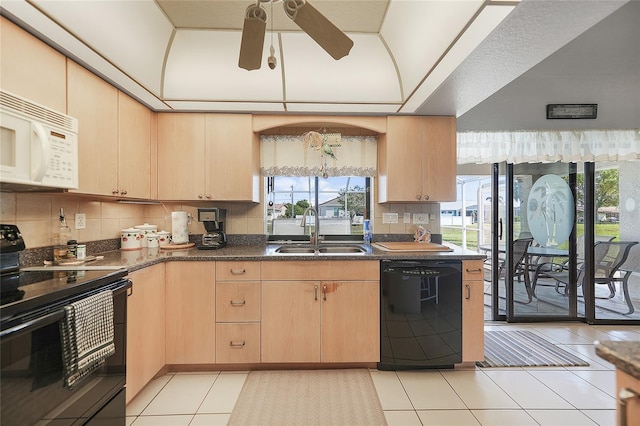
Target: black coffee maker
[[213, 220]]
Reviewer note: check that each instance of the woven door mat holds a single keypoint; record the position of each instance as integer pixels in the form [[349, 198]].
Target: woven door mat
[[308, 397], [524, 349]]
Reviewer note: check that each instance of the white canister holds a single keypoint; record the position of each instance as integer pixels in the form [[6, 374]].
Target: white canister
[[152, 240], [130, 239], [180, 227], [164, 238], [146, 229]]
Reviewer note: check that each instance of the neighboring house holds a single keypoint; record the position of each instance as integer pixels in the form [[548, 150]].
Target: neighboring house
[[278, 210], [332, 208]]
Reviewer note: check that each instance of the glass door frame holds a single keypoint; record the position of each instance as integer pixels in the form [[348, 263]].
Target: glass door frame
[[498, 229]]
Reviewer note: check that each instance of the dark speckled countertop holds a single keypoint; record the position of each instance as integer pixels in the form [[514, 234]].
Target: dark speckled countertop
[[625, 355], [138, 259]]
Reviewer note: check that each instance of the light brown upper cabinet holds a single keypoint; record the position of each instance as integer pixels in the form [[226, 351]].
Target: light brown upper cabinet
[[114, 137], [31, 69], [209, 156], [417, 160], [134, 148], [94, 103]]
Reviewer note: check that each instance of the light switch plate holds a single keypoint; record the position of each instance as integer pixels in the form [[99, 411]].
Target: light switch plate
[[407, 218], [389, 217], [420, 218]]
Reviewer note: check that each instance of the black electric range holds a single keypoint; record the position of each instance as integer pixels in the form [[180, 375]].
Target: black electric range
[[35, 366]]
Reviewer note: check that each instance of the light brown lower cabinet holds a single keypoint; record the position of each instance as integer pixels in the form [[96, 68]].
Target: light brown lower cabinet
[[334, 319], [191, 313], [472, 311], [145, 327], [628, 388], [238, 312]]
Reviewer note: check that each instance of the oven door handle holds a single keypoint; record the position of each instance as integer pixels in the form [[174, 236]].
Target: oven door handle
[[31, 325]]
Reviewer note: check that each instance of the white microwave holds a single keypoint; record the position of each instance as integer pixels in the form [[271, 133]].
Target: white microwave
[[39, 146]]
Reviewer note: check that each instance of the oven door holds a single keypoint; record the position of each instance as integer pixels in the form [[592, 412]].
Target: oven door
[[32, 373]]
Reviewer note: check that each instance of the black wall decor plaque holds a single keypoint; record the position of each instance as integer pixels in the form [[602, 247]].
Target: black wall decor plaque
[[572, 111]]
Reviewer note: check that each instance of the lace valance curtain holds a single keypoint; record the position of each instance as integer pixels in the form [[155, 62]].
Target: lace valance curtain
[[548, 146], [288, 155]]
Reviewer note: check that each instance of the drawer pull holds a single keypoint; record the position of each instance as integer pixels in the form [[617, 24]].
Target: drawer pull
[[474, 271], [468, 287], [237, 344], [238, 271], [240, 303], [324, 292], [315, 292], [625, 395]]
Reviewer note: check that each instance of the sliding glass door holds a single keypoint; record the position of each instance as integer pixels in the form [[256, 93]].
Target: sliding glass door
[[533, 254]]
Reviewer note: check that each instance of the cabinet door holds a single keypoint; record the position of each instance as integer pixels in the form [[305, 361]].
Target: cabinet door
[[191, 317], [350, 321], [438, 154], [233, 158], [399, 160], [94, 103], [290, 321], [145, 327], [31, 69], [134, 148], [181, 156], [472, 321]]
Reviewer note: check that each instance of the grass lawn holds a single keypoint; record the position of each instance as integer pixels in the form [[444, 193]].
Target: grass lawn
[[453, 234]]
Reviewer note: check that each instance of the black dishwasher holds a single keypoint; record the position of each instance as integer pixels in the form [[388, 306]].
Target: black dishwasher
[[420, 314]]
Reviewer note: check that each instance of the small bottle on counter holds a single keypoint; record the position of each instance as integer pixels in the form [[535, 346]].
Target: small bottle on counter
[[367, 232], [61, 237]]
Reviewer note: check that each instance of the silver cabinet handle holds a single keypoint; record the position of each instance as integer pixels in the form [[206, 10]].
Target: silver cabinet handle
[[324, 292], [114, 191], [208, 196], [237, 344], [426, 198], [123, 192], [200, 196], [238, 271], [240, 303], [315, 292], [418, 197], [624, 396], [474, 271], [468, 287]]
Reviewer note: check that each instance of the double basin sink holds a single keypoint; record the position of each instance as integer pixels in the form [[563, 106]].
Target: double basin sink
[[306, 249]]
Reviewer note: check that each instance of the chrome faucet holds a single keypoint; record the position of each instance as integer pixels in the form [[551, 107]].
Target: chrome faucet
[[315, 236]]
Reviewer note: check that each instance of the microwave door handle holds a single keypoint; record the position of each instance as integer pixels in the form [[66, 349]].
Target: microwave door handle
[[39, 170]]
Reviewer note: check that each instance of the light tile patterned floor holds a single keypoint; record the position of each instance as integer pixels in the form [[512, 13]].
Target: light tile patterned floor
[[555, 396]]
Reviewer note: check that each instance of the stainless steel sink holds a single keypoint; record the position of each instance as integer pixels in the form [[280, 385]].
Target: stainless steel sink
[[295, 250], [333, 249], [341, 250]]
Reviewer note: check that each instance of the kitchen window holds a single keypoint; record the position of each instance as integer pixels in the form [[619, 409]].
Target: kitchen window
[[342, 203], [323, 169]]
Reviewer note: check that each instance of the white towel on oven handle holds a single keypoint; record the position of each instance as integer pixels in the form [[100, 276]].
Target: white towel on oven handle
[[87, 335]]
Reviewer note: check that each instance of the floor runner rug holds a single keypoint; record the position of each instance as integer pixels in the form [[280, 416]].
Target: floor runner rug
[[524, 349], [308, 397]]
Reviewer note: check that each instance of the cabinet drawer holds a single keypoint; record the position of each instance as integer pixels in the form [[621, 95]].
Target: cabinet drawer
[[237, 343], [237, 271], [326, 270], [238, 301], [472, 270]]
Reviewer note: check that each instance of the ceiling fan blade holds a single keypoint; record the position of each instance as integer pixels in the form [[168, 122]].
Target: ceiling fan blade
[[253, 30], [319, 28]]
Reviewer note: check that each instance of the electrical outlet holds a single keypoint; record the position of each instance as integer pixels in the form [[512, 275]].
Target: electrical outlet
[[81, 220], [407, 218], [389, 217]]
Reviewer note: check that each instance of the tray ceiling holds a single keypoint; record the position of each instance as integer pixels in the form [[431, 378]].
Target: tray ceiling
[[183, 55]]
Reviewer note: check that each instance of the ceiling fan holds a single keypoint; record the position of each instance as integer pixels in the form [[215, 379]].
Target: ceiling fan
[[316, 25]]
